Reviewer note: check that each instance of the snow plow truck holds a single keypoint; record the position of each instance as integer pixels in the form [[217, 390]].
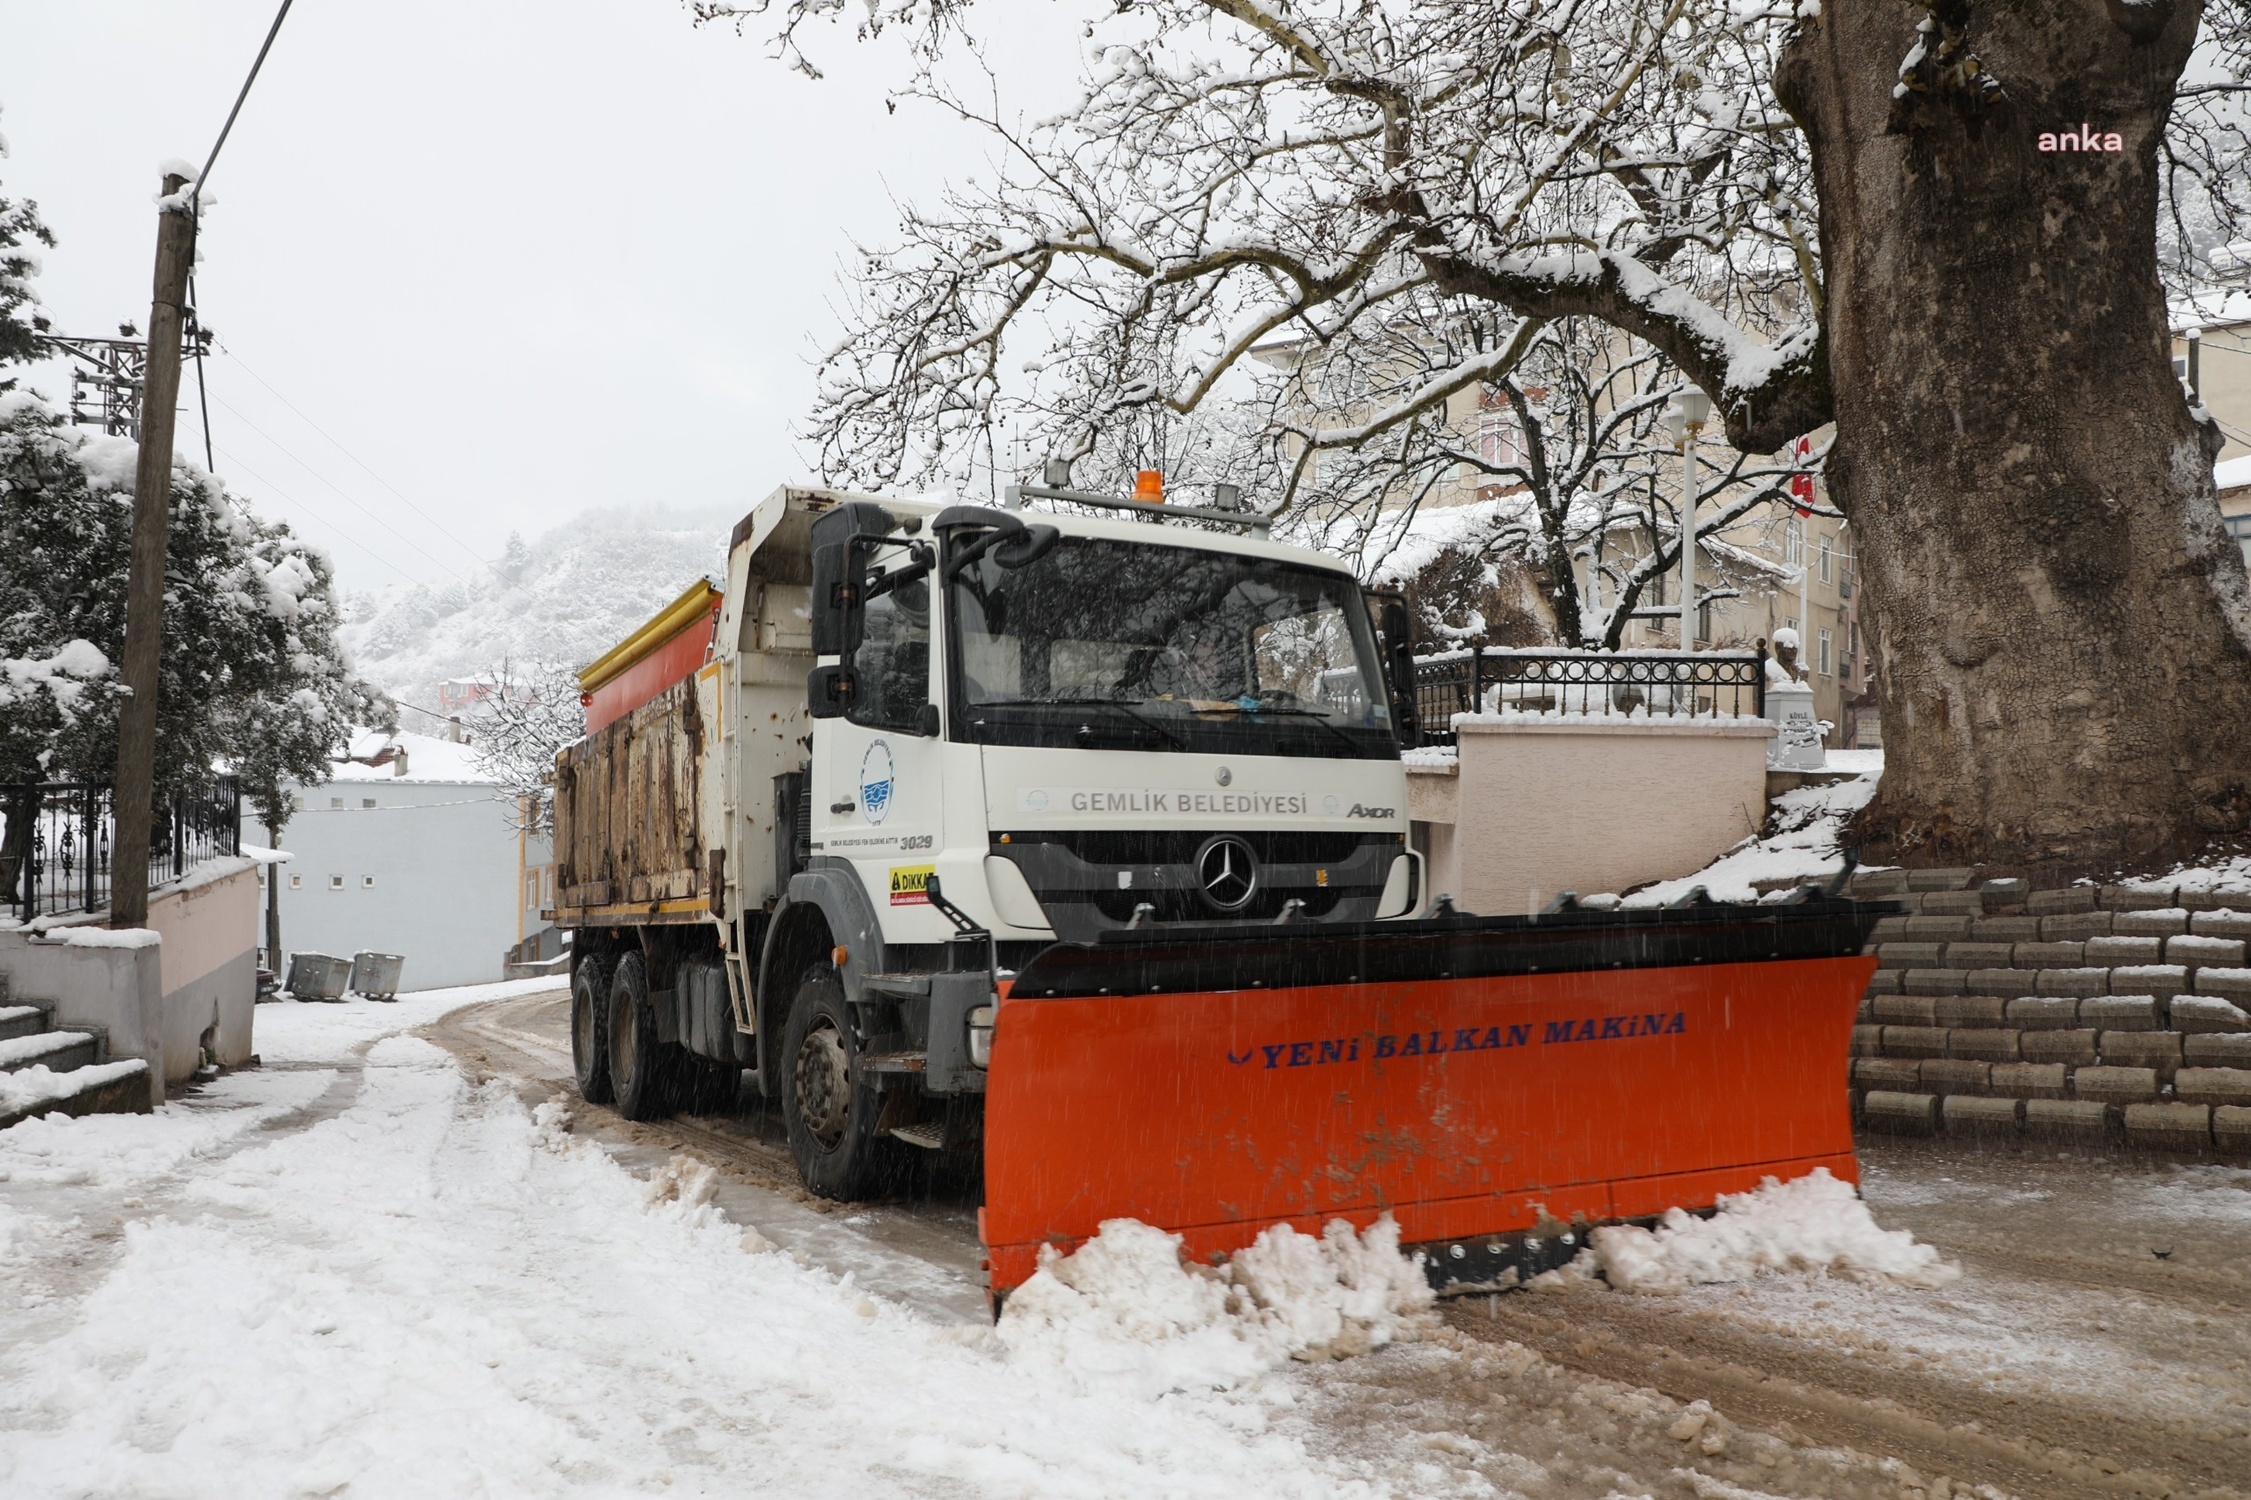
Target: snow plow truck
[[1076, 836]]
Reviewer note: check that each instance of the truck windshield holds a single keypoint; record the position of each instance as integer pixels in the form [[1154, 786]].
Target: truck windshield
[[1107, 644]]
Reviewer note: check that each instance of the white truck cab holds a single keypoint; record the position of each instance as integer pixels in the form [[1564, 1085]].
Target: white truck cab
[[1077, 721]]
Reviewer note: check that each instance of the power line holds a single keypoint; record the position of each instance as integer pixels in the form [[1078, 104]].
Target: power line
[[435, 523], [316, 515], [195, 196], [347, 499]]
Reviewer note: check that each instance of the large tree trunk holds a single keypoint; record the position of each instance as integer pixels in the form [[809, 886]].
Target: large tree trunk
[[2063, 629]]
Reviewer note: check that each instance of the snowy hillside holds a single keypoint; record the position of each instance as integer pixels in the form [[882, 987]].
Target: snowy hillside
[[563, 599]]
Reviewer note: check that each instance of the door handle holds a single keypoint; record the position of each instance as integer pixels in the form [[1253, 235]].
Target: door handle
[[840, 807]]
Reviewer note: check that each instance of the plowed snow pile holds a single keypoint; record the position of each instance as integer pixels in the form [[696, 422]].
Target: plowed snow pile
[[1126, 1311], [1812, 1223]]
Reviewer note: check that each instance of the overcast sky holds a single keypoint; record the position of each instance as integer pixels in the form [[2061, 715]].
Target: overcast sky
[[517, 258]]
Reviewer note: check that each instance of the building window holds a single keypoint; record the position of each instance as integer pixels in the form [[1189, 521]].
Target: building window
[[296, 882], [335, 804], [336, 882], [1500, 441], [1793, 543], [367, 882], [370, 801], [1828, 562], [2239, 527], [1826, 658]]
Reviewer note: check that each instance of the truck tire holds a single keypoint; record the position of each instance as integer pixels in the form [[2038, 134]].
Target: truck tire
[[832, 1121], [639, 1067], [590, 1029]]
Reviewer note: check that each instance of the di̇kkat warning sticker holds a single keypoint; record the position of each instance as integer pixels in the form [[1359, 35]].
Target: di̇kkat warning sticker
[[910, 884]]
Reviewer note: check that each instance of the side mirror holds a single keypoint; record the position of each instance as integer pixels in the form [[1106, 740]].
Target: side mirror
[[829, 691], [839, 577], [1026, 547], [926, 722], [838, 598]]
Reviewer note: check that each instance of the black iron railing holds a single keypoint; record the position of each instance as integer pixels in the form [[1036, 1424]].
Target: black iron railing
[[1609, 684], [56, 838]]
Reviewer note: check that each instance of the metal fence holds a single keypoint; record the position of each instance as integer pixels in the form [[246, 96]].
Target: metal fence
[[56, 838], [1608, 684]]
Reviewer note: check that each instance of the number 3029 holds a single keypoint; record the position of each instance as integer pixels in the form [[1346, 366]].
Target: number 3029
[[916, 841]]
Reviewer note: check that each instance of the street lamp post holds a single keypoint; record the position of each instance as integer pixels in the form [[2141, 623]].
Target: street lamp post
[[1685, 419]]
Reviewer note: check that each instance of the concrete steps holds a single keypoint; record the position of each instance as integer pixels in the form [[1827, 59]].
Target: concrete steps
[[2096, 1014], [47, 1068]]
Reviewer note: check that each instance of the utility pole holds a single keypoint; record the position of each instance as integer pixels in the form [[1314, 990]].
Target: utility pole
[[1686, 418], [134, 795]]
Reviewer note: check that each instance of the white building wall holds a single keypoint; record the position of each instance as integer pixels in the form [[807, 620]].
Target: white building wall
[[422, 868]]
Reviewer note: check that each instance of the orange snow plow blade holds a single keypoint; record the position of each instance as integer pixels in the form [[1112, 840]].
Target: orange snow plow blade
[[1486, 1081]]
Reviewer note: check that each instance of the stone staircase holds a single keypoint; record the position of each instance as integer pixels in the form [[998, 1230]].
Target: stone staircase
[[2096, 1015], [47, 1069]]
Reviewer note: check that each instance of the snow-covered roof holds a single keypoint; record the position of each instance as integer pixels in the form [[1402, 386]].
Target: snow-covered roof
[[2233, 474], [2211, 307], [428, 758]]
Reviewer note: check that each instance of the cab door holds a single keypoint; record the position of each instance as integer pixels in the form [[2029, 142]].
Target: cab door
[[877, 787]]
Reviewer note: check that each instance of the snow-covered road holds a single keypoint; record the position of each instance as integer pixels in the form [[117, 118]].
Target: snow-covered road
[[367, 1276]]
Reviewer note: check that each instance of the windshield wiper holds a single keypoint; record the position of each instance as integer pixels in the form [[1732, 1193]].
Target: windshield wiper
[[1318, 716], [1127, 706], [1056, 702]]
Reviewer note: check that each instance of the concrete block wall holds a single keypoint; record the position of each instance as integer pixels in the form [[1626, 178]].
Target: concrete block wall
[[2097, 1015]]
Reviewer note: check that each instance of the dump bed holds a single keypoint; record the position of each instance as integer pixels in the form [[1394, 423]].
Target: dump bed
[[630, 847]]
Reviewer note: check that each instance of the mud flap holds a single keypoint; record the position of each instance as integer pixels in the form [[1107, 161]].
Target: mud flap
[[1473, 1077]]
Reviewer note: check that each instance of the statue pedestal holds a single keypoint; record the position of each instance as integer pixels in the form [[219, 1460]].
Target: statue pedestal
[[1796, 745]]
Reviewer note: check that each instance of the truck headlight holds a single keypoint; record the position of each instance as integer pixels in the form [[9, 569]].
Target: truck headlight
[[981, 1035]]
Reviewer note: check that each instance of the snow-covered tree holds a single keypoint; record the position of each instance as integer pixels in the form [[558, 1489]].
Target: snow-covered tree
[[21, 235], [532, 713], [1577, 482], [1817, 212], [252, 675]]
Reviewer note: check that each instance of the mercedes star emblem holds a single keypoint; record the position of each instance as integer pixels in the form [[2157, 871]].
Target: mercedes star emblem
[[1227, 873]]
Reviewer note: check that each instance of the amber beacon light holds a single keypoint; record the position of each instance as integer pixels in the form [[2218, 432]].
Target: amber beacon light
[[1149, 486]]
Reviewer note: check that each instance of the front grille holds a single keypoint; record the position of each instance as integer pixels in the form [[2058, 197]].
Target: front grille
[[1187, 906]]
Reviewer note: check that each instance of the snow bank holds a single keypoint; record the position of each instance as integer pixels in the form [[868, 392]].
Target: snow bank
[[1125, 1311], [107, 937], [28, 1088], [2233, 874], [1801, 844], [1813, 1223]]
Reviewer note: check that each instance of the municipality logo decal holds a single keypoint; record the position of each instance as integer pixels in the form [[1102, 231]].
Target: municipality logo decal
[[875, 782]]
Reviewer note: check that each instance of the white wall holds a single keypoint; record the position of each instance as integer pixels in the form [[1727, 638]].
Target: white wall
[[1532, 807], [442, 856]]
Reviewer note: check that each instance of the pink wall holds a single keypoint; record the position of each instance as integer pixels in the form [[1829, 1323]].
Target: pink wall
[[210, 965]]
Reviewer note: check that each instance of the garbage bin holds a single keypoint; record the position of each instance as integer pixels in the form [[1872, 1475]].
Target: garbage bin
[[318, 976], [376, 975]]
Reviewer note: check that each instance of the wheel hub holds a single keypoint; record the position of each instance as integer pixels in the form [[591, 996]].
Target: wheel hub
[[824, 1085]]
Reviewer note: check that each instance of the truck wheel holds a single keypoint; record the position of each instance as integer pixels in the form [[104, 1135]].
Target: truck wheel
[[590, 1029], [637, 1060], [832, 1123]]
